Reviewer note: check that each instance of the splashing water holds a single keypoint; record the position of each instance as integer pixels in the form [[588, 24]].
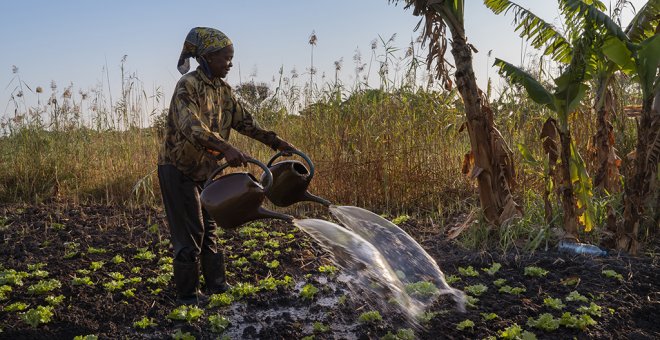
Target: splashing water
[[377, 255], [409, 260]]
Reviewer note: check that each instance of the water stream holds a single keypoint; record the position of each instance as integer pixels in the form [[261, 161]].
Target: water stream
[[378, 256]]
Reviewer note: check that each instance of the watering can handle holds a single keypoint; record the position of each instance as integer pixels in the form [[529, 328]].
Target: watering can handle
[[299, 153], [268, 179]]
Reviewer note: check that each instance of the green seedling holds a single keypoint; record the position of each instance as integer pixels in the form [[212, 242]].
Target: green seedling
[[145, 322], [39, 273], [272, 244], [273, 264], [370, 317], [83, 271], [451, 279], [342, 300], [240, 262], [136, 270], [94, 266], [309, 337], [186, 313], [545, 321], [401, 334], [257, 255], [308, 291], [16, 307], [243, 289], [117, 259], [218, 323], [577, 297], [129, 293], [144, 254], [116, 275], [4, 292], [465, 324], [612, 274], [44, 286], [426, 317], [250, 243], [570, 281], [400, 219], [79, 281], [494, 268], [249, 230], [220, 300], [535, 271], [113, 285], [421, 289], [12, 277], [180, 335], [133, 280], [471, 301], [155, 291], [39, 315], [489, 316], [499, 282], [92, 250], [469, 271], [319, 327], [54, 300], [36, 266], [328, 269], [57, 226], [86, 337], [554, 303], [161, 280], [581, 321], [515, 332], [593, 309], [475, 290], [512, 290], [71, 249]]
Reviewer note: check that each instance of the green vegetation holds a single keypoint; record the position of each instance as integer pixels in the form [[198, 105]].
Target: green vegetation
[[535, 271], [186, 313], [612, 274], [512, 290], [145, 322], [469, 271], [44, 286], [421, 289], [308, 291], [554, 303], [319, 327], [545, 321], [328, 269], [577, 297], [79, 281], [475, 290], [515, 332], [218, 323], [493, 269], [144, 254], [15, 307], [489, 316], [37, 316], [581, 321], [401, 334], [465, 324], [370, 317], [220, 300]]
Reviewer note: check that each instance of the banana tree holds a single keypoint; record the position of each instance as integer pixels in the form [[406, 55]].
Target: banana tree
[[492, 159], [612, 50]]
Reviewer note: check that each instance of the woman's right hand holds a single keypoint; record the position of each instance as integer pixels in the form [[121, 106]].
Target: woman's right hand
[[234, 156]]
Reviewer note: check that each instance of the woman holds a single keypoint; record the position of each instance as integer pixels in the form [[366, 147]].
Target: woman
[[202, 113]]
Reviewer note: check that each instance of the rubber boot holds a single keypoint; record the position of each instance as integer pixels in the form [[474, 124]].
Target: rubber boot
[[213, 269], [186, 280]]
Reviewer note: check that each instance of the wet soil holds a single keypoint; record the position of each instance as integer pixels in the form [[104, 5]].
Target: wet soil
[[65, 242]]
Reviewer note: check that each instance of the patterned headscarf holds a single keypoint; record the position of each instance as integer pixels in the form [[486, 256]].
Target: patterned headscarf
[[200, 41]]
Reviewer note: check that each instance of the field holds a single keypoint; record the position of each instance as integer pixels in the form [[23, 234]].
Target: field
[[81, 270]]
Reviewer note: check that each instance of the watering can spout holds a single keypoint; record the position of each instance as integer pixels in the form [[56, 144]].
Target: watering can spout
[[265, 213], [313, 198]]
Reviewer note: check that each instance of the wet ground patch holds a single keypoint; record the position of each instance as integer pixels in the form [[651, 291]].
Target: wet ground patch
[[70, 271]]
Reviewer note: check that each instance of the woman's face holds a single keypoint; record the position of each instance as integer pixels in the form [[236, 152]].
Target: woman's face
[[220, 62]]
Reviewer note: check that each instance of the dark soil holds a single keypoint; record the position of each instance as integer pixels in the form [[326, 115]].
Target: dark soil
[[630, 307]]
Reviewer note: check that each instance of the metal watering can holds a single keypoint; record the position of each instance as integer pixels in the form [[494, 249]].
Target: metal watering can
[[290, 181], [236, 198]]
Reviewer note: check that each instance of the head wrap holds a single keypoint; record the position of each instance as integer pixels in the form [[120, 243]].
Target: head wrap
[[201, 41]]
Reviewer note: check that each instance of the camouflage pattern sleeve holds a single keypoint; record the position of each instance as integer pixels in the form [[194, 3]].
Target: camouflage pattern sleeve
[[245, 124], [189, 119]]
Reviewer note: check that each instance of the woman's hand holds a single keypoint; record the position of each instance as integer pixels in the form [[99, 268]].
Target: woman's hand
[[232, 155]]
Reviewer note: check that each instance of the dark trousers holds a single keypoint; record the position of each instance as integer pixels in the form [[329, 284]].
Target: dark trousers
[[191, 228]]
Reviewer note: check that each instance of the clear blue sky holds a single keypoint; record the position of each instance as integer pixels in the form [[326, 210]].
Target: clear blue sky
[[70, 41]]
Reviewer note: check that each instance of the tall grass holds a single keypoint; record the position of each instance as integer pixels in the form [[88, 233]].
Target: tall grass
[[392, 146]]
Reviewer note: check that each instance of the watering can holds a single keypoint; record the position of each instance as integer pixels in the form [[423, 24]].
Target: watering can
[[290, 181], [236, 198]]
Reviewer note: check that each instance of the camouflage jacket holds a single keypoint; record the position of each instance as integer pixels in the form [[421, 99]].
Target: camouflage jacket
[[204, 109]]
